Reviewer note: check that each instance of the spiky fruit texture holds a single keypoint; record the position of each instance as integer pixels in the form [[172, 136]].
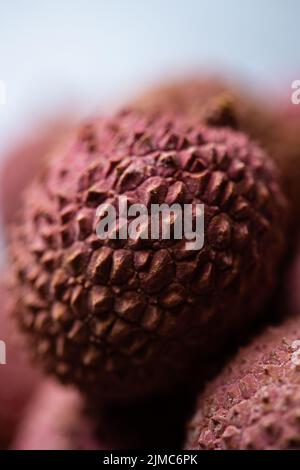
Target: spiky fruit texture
[[221, 103], [55, 420], [255, 402], [17, 379], [126, 317]]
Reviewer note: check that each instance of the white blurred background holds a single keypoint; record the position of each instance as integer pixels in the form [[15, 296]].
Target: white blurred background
[[82, 54]]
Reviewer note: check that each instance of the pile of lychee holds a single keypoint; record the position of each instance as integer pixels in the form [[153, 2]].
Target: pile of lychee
[[142, 342]]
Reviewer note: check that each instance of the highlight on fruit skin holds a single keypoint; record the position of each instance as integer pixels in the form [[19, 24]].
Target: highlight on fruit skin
[[126, 318]]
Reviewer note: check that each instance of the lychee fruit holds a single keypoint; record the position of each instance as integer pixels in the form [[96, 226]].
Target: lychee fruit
[[59, 418], [25, 159], [17, 378], [255, 401], [271, 123], [188, 96], [127, 317]]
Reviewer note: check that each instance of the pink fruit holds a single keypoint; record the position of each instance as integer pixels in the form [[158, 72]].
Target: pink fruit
[[254, 403], [125, 318], [274, 125], [24, 162], [55, 420], [17, 378]]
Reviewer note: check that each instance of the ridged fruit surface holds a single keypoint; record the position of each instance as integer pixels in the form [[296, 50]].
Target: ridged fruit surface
[[189, 96], [255, 402], [273, 125], [126, 317]]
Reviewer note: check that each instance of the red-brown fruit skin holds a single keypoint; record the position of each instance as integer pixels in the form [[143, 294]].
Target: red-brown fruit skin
[[275, 125], [55, 420], [255, 402], [126, 318], [17, 378], [189, 96], [284, 143]]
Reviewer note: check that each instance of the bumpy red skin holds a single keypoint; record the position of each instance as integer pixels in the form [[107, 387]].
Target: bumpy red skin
[[126, 318], [17, 378], [255, 402], [55, 420], [275, 126]]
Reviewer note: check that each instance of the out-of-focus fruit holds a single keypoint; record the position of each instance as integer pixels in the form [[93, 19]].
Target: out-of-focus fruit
[[25, 160], [274, 125], [254, 403], [17, 378], [59, 418], [55, 420]]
